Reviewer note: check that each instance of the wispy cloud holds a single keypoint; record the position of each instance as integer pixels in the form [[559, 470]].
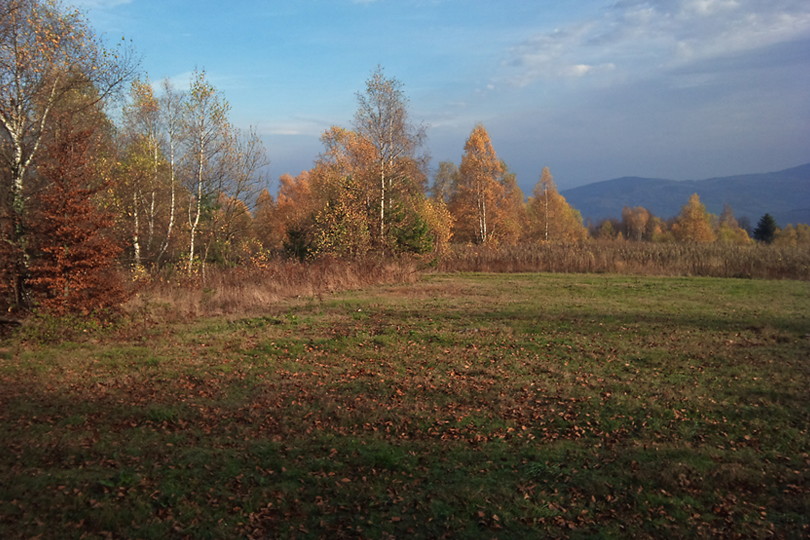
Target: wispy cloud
[[638, 36], [298, 125], [180, 82], [99, 4]]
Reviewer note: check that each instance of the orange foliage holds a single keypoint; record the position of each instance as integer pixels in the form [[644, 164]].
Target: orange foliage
[[510, 210], [265, 222], [75, 264], [478, 190], [693, 224], [635, 222], [551, 218]]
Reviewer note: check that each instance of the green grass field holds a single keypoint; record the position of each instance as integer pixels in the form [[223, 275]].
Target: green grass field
[[469, 405]]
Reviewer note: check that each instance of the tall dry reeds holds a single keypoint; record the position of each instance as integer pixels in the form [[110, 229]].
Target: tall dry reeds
[[244, 290], [252, 289], [638, 258]]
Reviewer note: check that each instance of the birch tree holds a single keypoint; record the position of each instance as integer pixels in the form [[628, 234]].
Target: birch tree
[[382, 119], [551, 218], [142, 164], [206, 131], [635, 222], [46, 53], [444, 180], [242, 161], [477, 190], [694, 224], [171, 106]]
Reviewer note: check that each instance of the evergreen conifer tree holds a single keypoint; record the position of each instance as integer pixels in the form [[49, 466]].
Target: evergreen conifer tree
[[766, 229]]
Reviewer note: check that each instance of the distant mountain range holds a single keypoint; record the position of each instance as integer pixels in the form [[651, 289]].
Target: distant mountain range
[[783, 194]]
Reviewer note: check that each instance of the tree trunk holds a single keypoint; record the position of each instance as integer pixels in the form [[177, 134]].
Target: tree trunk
[[382, 204], [198, 205], [172, 180], [136, 242], [18, 240]]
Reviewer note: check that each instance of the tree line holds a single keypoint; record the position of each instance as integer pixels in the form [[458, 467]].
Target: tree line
[[89, 202]]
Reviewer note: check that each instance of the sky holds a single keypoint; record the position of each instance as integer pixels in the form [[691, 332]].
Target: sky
[[592, 89]]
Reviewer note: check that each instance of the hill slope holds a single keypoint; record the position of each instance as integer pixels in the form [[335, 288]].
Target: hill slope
[[784, 194]]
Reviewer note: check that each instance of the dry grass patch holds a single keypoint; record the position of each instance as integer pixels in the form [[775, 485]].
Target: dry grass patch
[[247, 290], [636, 258]]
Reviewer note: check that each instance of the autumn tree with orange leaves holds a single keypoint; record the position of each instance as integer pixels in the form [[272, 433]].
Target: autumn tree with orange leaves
[[74, 256], [510, 210], [341, 215], [342, 218], [265, 228], [694, 223], [550, 217], [47, 54], [295, 205], [477, 191], [635, 221]]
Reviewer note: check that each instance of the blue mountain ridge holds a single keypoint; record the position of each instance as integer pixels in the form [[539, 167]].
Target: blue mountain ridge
[[783, 194]]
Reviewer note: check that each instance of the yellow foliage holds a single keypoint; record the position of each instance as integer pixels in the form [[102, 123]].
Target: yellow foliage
[[729, 230], [727, 234], [478, 191], [440, 221], [793, 235], [694, 224], [635, 222], [550, 217]]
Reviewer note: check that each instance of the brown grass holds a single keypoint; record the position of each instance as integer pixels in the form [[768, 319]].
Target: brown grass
[[636, 258], [245, 290]]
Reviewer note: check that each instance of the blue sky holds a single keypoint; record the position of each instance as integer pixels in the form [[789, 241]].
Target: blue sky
[[593, 89]]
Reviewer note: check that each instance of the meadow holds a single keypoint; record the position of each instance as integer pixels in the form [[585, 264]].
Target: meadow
[[458, 405]]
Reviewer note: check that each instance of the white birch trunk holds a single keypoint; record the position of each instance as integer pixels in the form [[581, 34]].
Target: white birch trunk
[[136, 242], [198, 204]]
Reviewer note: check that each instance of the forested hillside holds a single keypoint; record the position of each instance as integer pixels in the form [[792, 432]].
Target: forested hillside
[[784, 194]]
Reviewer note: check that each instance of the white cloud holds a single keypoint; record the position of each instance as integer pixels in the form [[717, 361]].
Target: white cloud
[[297, 125], [709, 7], [581, 70], [643, 36], [179, 82], [284, 130]]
